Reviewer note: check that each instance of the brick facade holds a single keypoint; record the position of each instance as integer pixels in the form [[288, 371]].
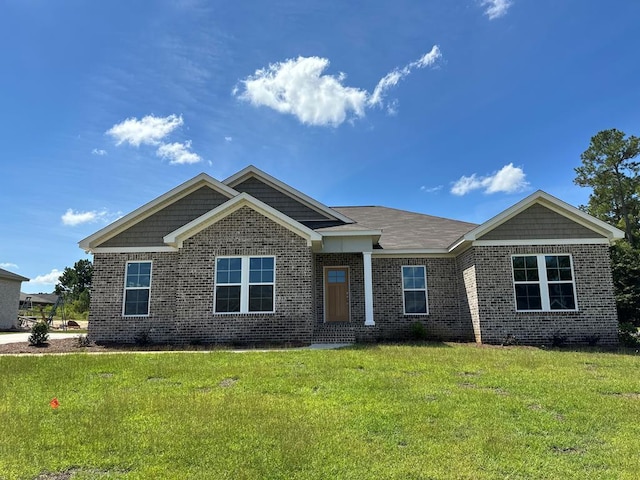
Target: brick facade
[[595, 318], [470, 296], [181, 302]]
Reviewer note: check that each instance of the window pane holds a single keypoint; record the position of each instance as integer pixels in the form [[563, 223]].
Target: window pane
[[261, 298], [525, 269], [561, 296], [261, 270], [528, 297], [228, 299], [138, 274], [558, 268], [413, 277], [415, 302], [228, 270], [136, 302], [336, 276]]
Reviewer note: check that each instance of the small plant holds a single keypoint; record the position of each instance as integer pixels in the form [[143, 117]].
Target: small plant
[[628, 335], [143, 338], [83, 341], [592, 340], [509, 340], [558, 340], [39, 334], [418, 331]]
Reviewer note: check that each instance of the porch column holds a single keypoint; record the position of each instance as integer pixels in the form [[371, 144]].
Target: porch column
[[368, 290]]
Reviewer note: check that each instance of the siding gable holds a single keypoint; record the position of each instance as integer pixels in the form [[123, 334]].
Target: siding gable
[[538, 222], [280, 200], [150, 231]]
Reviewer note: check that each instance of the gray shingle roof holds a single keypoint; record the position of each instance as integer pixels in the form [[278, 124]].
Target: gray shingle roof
[[402, 229], [12, 276]]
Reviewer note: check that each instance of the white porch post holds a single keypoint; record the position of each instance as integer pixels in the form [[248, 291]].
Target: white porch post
[[368, 290]]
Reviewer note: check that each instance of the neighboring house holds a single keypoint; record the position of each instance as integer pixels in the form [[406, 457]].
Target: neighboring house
[[9, 298], [251, 259]]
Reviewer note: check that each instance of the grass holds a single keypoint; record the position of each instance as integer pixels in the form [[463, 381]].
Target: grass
[[393, 412]]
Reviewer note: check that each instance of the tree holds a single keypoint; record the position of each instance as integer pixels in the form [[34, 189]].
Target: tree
[[609, 169], [76, 282]]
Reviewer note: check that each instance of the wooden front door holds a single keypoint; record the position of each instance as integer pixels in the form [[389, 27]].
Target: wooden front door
[[336, 296]]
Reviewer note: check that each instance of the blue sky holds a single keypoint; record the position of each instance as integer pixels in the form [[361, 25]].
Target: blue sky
[[453, 108]]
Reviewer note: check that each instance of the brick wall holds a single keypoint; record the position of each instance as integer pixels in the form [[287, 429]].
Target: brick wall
[[106, 323], [442, 322], [596, 316], [467, 286], [182, 288]]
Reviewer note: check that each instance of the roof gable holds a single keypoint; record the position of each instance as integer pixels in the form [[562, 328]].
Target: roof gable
[[192, 188], [176, 238], [282, 197], [554, 214]]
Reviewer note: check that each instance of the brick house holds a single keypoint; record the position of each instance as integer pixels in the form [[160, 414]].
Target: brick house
[[251, 259]]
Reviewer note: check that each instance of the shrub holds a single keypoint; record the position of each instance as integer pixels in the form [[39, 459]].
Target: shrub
[[418, 332], [628, 335], [39, 334], [558, 340]]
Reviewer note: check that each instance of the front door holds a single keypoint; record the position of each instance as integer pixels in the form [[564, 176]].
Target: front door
[[336, 298]]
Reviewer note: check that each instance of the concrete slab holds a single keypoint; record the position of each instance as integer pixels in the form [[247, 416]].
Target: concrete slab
[[24, 337]]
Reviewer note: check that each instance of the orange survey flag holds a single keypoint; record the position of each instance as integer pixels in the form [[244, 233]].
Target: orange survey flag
[[54, 403]]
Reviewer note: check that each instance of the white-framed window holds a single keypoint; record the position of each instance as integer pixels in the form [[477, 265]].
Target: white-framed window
[[543, 282], [414, 290], [245, 285], [137, 289]]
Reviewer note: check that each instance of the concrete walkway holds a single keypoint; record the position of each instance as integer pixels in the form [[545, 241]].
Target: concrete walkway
[[24, 337]]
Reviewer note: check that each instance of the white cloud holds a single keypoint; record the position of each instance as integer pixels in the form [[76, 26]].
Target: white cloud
[[228, 139], [299, 87], [496, 8], [73, 218], [150, 130], [98, 152], [426, 189], [508, 179], [8, 265], [50, 278], [392, 78], [178, 153]]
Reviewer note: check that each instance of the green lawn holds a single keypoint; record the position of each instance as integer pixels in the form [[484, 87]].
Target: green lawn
[[379, 412]]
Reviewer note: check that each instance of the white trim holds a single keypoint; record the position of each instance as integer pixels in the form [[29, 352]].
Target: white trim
[[252, 171], [324, 292], [124, 293], [155, 206], [133, 249], [245, 261], [426, 293], [350, 233], [177, 237], [368, 290], [545, 241], [543, 283], [414, 253]]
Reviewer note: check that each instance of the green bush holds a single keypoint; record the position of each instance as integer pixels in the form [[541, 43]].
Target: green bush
[[39, 334], [628, 335], [418, 331]]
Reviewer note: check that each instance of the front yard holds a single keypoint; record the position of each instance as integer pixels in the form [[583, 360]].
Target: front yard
[[383, 412]]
